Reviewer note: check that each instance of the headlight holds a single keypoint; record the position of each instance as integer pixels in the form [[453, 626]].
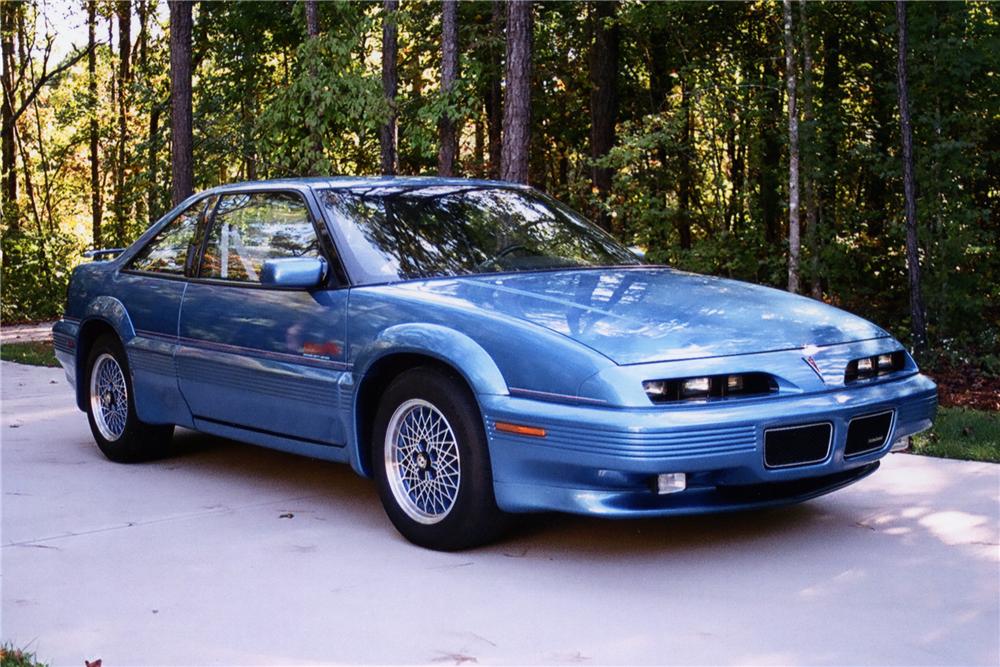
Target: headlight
[[694, 388], [873, 366], [709, 387]]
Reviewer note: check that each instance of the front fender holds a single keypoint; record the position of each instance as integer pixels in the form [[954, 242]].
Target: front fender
[[439, 342]]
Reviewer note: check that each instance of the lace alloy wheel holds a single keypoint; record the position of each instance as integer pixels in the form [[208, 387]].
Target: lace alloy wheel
[[108, 397], [422, 461]]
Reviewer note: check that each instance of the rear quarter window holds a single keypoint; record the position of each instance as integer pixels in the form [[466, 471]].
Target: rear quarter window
[[169, 250]]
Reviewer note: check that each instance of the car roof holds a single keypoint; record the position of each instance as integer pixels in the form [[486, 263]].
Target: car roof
[[351, 182]]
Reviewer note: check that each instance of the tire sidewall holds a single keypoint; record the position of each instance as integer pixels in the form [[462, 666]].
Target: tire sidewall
[[128, 446]]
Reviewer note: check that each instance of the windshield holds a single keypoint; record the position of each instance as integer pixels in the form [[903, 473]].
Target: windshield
[[401, 233]]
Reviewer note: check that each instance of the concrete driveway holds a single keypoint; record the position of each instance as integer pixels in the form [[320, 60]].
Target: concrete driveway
[[230, 554]]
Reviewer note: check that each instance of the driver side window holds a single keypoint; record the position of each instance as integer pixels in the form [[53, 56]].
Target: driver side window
[[252, 227]]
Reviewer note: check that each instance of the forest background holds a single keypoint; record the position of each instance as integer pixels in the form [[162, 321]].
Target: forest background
[[763, 141]]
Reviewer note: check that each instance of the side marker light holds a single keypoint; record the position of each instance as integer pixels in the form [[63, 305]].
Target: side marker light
[[520, 429]]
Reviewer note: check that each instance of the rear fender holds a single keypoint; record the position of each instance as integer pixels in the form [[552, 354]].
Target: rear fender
[[107, 311]]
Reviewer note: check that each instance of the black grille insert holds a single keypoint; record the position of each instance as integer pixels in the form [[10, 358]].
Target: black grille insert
[[797, 445], [868, 433]]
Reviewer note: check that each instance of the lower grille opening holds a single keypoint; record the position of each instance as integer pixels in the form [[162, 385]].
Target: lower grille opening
[[797, 445], [868, 433]]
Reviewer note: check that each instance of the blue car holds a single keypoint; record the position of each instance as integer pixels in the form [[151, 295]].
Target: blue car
[[480, 350]]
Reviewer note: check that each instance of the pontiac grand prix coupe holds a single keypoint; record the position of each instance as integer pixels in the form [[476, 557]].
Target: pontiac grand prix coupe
[[479, 349]]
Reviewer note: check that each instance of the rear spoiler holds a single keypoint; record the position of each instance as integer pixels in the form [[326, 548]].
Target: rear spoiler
[[97, 254]]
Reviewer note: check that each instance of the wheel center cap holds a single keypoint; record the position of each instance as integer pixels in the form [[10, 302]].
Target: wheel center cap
[[422, 461]]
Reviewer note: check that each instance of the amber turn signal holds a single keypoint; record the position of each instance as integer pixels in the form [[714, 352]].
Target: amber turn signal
[[519, 429]]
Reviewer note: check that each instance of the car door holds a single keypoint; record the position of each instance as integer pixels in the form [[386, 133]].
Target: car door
[[258, 358], [151, 286]]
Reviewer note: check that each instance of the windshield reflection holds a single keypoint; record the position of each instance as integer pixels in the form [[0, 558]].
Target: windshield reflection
[[404, 233]]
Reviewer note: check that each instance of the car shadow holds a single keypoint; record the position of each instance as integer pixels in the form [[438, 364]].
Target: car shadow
[[337, 488]]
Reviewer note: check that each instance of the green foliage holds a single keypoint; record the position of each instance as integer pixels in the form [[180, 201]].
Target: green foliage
[[35, 273], [15, 657], [37, 353], [326, 120], [961, 433], [701, 100]]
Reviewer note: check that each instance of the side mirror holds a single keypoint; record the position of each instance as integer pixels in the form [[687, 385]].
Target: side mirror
[[293, 272]]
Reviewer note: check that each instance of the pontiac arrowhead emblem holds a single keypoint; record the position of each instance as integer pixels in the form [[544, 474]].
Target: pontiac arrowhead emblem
[[813, 365]]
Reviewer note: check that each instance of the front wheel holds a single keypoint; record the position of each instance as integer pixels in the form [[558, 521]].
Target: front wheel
[[119, 432], [431, 462]]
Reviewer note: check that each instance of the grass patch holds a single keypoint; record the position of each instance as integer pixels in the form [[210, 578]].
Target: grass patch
[[962, 433], [15, 657], [35, 353]]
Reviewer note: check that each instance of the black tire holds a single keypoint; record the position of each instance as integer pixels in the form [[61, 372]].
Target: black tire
[[127, 440], [473, 518]]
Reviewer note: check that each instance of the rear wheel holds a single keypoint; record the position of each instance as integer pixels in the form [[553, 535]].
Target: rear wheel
[[432, 465], [119, 432]]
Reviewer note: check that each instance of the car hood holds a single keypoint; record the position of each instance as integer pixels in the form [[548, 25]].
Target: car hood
[[645, 314]]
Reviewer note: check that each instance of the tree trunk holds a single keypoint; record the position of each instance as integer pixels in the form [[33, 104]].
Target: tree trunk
[[140, 65], [312, 18], [770, 158], [24, 65], [918, 322], [830, 122], [45, 266], [112, 67], [152, 206], [686, 180], [315, 135], [517, 97], [809, 162], [388, 133], [603, 96], [9, 165], [734, 198], [124, 8], [143, 39], [794, 241], [447, 127], [181, 139], [494, 91], [735, 151], [876, 181], [95, 182], [478, 148], [660, 84], [660, 81], [46, 171], [494, 94]]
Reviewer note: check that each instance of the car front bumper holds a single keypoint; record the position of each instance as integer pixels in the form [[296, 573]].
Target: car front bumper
[[596, 460]]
